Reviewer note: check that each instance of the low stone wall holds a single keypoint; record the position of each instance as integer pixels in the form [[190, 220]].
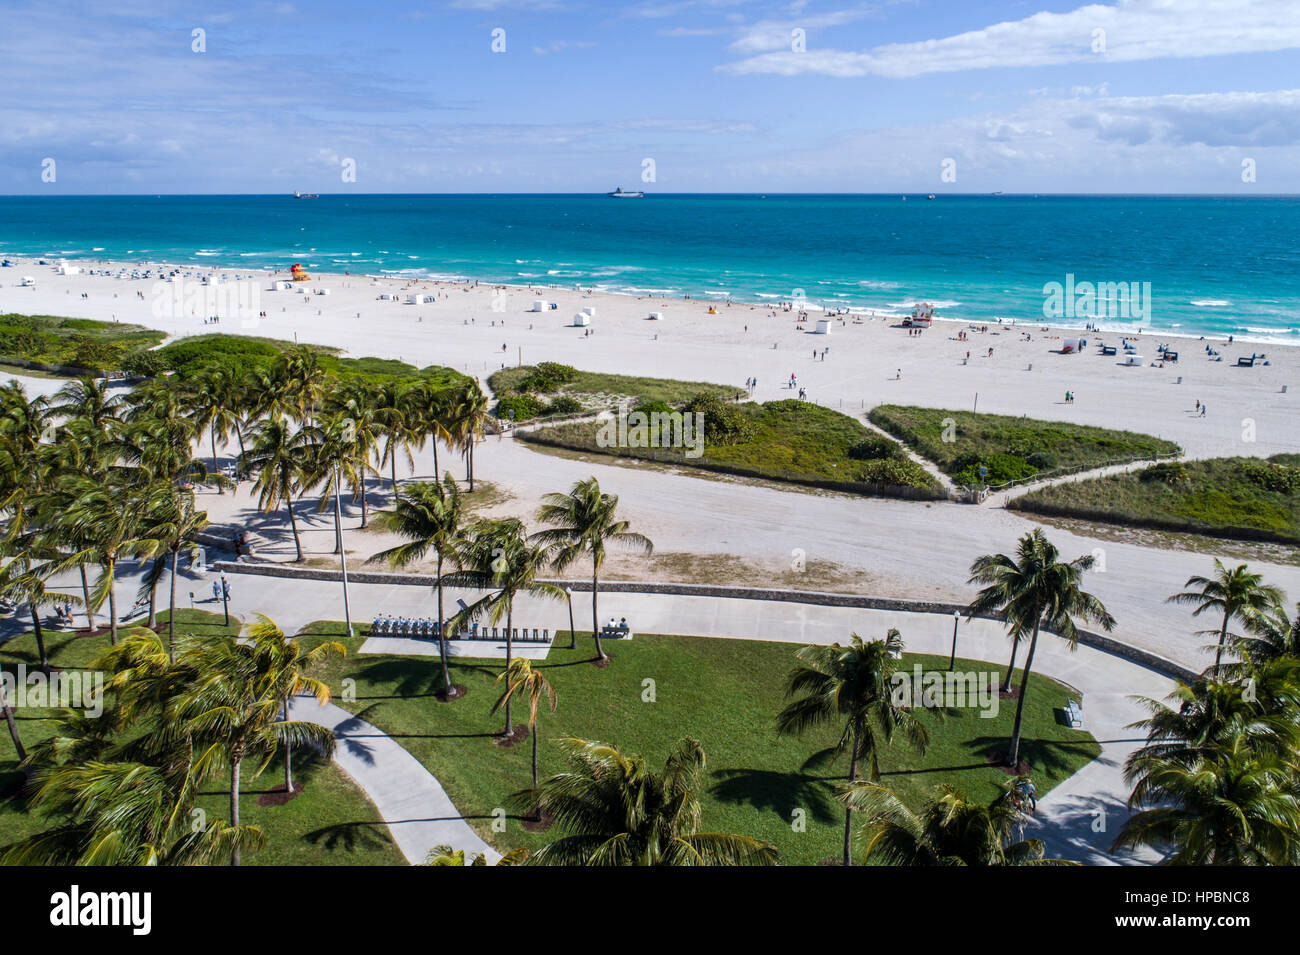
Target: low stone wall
[[1100, 641]]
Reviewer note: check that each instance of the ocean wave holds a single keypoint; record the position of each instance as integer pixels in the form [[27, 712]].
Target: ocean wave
[[1210, 302]]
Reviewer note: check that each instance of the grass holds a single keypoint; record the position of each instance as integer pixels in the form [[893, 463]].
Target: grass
[[959, 442], [781, 441], [726, 693], [74, 342], [1243, 498], [593, 390], [329, 822]]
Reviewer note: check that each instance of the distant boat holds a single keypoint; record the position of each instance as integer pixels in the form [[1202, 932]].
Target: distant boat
[[620, 194], [930, 196], [995, 193], [305, 195]]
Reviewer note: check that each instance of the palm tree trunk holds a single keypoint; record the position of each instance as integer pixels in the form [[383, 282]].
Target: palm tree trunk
[[442, 634], [288, 757], [393, 465], [234, 805], [1223, 637], [112, 603], [85, 595], [532, 728], [1020, 703], [848, 813], [471, 463], [40, 638], [595, 618], [435, 457], [293, 524], [365, 513], [510, 647], [9, 719], [214, 455], [171, 609], [153, 594], [1011, 667]]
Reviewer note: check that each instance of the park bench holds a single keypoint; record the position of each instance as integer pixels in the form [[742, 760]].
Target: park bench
[[1244, 362], [615, 633], [1074, 714], [1109, 350]]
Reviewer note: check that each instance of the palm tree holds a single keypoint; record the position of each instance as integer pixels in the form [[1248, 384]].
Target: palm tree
[[1236, 806], [851, 684], [466, 418], [232, 709], [618, 812], [447, 856], [497, 557], [583, 522], [213, 402], [89, 400], [106, 522], [303, 381], [281, 458], [9, 721], [1235, 593], [281, 668], [23, 580], [354, 407], [1033, 590], [174, 521], [126, 813], [951, 831], [524, 679], [430, 516], [1270, 637]]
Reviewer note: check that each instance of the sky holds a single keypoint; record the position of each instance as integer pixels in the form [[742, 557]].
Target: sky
[[488, 96]]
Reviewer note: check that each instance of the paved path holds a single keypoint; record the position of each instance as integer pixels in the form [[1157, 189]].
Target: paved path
[[418, 811]]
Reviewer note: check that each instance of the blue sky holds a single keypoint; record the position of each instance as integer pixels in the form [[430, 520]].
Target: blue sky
[[722, 95]]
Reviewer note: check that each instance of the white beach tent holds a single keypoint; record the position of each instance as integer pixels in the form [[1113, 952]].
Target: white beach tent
[[540, 305], [581, 320], [823, 326], [280, 286], [27, 281], [589, 310], [322, 291], [655, 316], [1070, 346]]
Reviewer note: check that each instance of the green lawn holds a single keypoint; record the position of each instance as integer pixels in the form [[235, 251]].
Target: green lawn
[[959, 442], [330, 822], [1246, 498], [726, 693], [80, 342], [788, 440]]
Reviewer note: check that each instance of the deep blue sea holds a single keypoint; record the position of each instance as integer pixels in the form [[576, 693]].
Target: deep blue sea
[[1214, 265]]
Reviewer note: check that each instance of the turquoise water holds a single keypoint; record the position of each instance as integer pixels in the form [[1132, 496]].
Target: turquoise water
[[1215, 265]]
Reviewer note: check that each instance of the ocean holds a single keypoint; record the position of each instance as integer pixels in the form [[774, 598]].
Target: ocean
[[1186, 265]]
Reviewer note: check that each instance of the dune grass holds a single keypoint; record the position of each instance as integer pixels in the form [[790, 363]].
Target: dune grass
[[725, 693], [1244, 498], [1011, 448], [74, 342]]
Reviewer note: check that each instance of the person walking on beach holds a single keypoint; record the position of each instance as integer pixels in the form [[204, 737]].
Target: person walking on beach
[[899, 375]]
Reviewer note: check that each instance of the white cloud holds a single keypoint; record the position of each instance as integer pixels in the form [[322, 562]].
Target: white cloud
[[1129, 30]]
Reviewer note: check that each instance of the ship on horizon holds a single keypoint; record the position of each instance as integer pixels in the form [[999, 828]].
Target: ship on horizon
[[305, 195], [620, 194]]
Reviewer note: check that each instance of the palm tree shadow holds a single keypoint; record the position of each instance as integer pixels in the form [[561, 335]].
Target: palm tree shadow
[[349, 836], [778, 792], [1049, 755]]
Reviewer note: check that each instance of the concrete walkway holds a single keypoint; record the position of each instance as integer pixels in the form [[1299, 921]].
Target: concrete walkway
[[418, 811]]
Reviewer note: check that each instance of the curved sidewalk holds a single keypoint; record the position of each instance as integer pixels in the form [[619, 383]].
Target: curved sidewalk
[[411, 801]]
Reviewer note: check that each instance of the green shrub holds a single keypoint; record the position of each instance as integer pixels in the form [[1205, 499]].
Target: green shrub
[[1042, 460], [724, 422], [653, 407], [564, 405], [146, 364], [1001, 469], [875, 449], [1165, 472], [523, 406], [897, 471], [1272, 477]]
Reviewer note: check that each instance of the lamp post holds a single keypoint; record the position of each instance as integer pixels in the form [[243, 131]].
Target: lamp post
[[225, 598], [573, 640], [952, 662]]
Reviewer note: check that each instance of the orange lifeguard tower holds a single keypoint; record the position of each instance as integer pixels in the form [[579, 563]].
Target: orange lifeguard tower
[[297, 273]]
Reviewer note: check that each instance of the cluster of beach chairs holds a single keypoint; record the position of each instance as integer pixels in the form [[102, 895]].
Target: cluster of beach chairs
[[428, 628]]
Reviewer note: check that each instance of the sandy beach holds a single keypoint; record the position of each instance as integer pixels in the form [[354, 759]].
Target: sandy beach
[[744, 531]]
